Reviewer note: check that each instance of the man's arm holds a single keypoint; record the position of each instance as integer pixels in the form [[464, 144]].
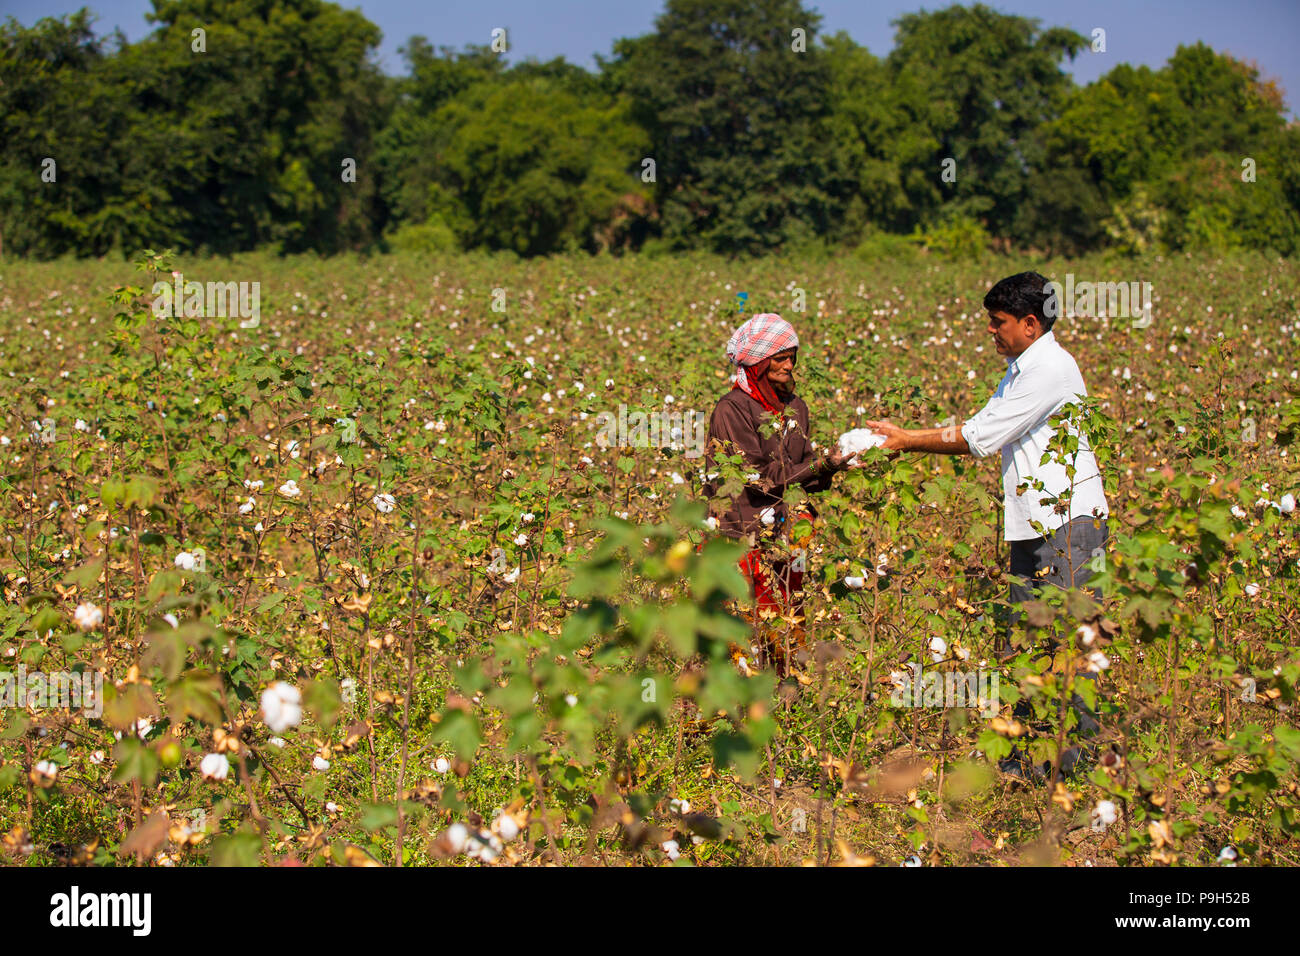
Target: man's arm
[[938, 441]]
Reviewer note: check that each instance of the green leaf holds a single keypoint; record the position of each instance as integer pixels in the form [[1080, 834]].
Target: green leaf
[[994, 745], [243, 849], [377, 815], [460, 730], [134, 760], [196, 695], [323, 701]]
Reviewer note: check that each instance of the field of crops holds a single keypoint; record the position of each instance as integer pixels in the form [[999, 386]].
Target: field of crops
[[368, 584]]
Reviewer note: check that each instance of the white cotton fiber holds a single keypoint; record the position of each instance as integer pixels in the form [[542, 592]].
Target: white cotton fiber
[[859, 439]]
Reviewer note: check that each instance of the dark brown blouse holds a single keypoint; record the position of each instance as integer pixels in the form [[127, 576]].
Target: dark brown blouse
[[780, 460]]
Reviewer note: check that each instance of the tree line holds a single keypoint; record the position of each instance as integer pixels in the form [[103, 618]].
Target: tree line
[[735, 126]]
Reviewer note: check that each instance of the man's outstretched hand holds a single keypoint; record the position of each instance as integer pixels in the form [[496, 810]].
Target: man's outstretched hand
[[895, 437]]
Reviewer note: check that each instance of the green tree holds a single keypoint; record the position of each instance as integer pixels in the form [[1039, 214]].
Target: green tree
[[877, 145], [529, 166], [1167, 146], [406, 146], [63, 185], [978, 83], [284, 94], [736, 119]]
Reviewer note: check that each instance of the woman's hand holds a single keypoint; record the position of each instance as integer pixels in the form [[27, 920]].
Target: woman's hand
[[836, 460]]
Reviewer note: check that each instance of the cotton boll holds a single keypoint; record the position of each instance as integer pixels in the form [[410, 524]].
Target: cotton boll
[[938, 648], [507, 827], [281, 706], [457, 836], [440, 765], [1103, 815], [1252, 589], [672, 849], [855, 582], [88, 616], [859, 440], [1287, 503], [319, 763], [214, 767], [768, 516]]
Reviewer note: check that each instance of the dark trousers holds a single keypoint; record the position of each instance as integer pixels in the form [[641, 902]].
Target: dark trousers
[[1068, 555]]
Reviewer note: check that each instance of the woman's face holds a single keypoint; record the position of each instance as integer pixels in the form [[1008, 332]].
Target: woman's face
[[780, 372]]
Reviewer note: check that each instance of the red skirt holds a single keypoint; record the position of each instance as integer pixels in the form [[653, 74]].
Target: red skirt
[[778, 589]]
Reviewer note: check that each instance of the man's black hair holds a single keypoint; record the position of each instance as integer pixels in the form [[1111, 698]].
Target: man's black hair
[[1025, 293]]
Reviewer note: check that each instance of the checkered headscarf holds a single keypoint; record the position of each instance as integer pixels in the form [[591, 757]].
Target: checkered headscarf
[[754, 342], [762, 336]]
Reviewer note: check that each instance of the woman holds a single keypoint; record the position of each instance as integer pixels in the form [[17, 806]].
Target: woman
[[764, 352]]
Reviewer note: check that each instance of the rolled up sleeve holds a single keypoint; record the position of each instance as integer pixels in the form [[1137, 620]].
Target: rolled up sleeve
[[970, 432]]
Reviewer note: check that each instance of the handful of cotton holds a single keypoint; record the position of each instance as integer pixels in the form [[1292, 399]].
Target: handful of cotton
[[859, 440]]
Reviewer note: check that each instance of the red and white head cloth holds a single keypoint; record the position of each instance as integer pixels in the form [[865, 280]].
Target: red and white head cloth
[[760, 338]]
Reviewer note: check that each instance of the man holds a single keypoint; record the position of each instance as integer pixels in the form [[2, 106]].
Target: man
[[1041, 378]]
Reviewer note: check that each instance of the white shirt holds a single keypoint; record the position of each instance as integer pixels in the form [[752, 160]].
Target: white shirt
[[1042, 379]]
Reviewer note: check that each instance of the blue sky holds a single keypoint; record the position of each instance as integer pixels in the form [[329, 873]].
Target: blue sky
[[1137, 31]]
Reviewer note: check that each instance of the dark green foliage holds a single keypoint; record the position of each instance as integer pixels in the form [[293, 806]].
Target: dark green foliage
[[763, 138], [737, 122]]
